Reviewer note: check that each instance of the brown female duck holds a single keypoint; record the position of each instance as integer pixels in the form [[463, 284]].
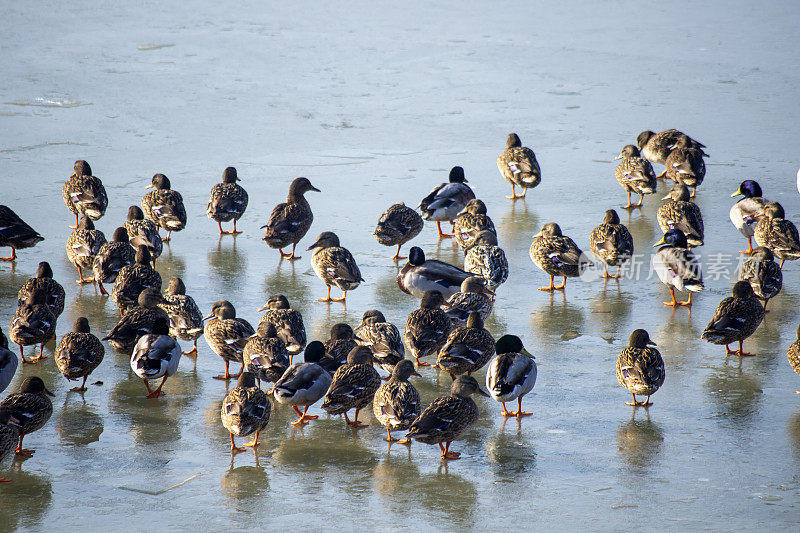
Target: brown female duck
[[291, 220]]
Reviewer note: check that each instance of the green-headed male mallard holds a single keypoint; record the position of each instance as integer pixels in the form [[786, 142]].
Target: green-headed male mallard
[[83, 245], [79, 353], [156, 355], [640, 368], [30, 409], [304, 383], [135, 278], [677, 267], [228, 201], [341, 342], [487, 260], [468, 348], [518, 165], [288, 322], [511, 374], [83, 193], [657, 146], [398, 225], [685, 165], [736, 318], [471, 221], [382, 338], [137, 320], [290, 221], [679, 212], [14, 232], [763, 274], [427, 328], [8, 363], [777, 233], [44, 281], [185, 318], [793, 354], [33, 323], [334, 265], [635, 174], [227, 335], [112, 257], [446, 200], [557, 255], [612, 243], [245, 410], [419, 275], [473, 296], [397, 403], [353, 386], [142, 231], [744, 213], [164, 206], [265, 355]]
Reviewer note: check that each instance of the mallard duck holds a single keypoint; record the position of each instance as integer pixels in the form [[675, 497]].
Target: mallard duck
[[657, 146], [111, 258], [397, 403], [419, 275], [447, 417], [30, 409], [473, 296], [679, 212], [471, 221], [228, 201], [338, 346], [227, 335], [486, 259], [137, 320], [142, 231], [133, 279], [9, 436], [156, 355], [382, 338], [84, 194], [736, 318], [763, 274], [265, 355], [290, 221], [446, 200], [8, 363], [44, 281], [334, 265], [511, 374], [793, 353], [83, 245], [519, 167], [557, 255], [468, 348], [777, 233], [185, 318], [164, 206], [245, 410], [677, 267], [287, 321], [304, 383], [427, 328], [612, 243], [744, 213], [635, 174], [396, 226], [33, 323], [14, 232], [79, 353], [352, 386], [685, 165], [640, 368]]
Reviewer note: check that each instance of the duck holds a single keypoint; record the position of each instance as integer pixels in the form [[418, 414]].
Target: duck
[[44, 281], [352, 386], [79, 353], [656, 147], [511, 374], [679, 212], [290, 221], [487, 260], [33, 323], [83, 193], [133, 279], [8, 363], [677, 267], [419, 275], [447, 417], [142, 231], [30, 409], [736, 318], [304, 383], [473, 296], [156, 355], [468, 348], [228, 201], [471, 221], [685, 165], [382, 338], [112, 257], [518, 165], [763, 274], [635, 174], [744, 213], [793, 354], [288, 322], [9, 436], [83, 245], [14, 232], [428, 327], [137, 320], [265, 355], [227, 335], [640, 368], [341, 342], [396, 226], [245, 411], [612, 243], [557, 255], [397, 403], [164, 206], [185, 318], [334, 265], [446, 200], [777, 233]]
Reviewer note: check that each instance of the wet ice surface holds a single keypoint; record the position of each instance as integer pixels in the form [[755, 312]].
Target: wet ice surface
[[374, 105]]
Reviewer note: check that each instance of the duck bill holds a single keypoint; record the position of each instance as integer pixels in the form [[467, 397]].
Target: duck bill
[[46, 391], [315, 245], [150, 186], [262, 308], [651, 343], [487, 290], [482, 392], [209, 317], [415, 373], [529, 354], [537, 235], [14, 421], [314, 189], [618, 157], [659, 243], [666, 197], [358, 327], [737, 193]]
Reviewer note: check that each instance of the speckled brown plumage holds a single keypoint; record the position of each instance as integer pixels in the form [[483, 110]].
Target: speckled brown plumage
[[763, 274], [138, 320], [53, 290], [164, 206], [397, 402], [291, 220], [427, 328], [487, 260], [640, 368], [635, 174], [398, 225], [228, 200], [142, 231], [334, 265], [227, 335], [793, 354], [265, 355], [468, 348], [245, 410], [678, 212], [353, 385], [736, 318], [777, 233], [611, 242], [83, 245], [518, 165], [470, 222], [556, 254], [288, 322], [84, 194], [30, 407], [657, 146], [133, 279], [382, 338], [79, 353], [33, 323]]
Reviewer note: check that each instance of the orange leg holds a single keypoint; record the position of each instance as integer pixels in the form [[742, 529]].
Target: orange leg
[[227, 374], [193, 352], [103, 291], [343, 298], [12, 257], [505, 411], [563, 284], [749, 250], [234, 449], [354, 423], [82, 388], [76, 222], [520, 412], [389, 437], [550, 288], [4, 480], [397, 255], [22, 451], [662, 175], [674, 302], [304, 418], [447, 454], [291, 256], [156, 393], [641, 199], [740, 352], [629, 205], [253, 443], [441, 233], [81, 280], [781, 265], [327, 298], [606, 274], [416, 361]]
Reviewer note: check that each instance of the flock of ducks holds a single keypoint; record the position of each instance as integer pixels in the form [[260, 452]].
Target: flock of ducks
[[342, 371]]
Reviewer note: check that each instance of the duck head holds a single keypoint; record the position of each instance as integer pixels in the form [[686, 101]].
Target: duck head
[[611, 217], [628, 151], [678, 193], [229, 175], [82, 168], [742, 289], [404, 370], [465, 386], [276, 301], [175, 287], [431, 300], [326, 239], [314, 353], [512, 141], [457, 175], [159, 181], [34, 385], [135, 213], [44, 270], [748, 189], [643, 137], [673, 237], [120, 235], [300, 186], [510, 344], [551, 229], [222, 310], [640, 339], [81, 325]]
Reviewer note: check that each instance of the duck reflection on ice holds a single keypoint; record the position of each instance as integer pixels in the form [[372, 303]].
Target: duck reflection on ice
[[77, 422], [639, 441], [735, 394], [228, 266], [244, 484], [511, 456], [25, 500]]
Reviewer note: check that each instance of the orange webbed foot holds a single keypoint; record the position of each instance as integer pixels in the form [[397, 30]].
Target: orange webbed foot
[[24, 452], [78, 389], [451, 456]]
